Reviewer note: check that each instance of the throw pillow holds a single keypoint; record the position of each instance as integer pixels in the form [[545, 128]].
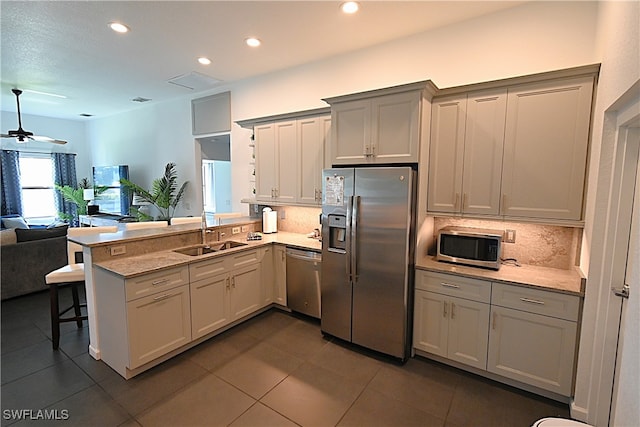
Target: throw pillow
[[16, 222], [8, 237], [41, 233]]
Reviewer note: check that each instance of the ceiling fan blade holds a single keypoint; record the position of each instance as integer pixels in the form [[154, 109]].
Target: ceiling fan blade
[[47, 139]]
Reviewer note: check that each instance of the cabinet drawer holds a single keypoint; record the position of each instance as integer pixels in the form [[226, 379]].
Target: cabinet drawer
[[554, 304], [209, 268], [156, 282], [457, 286], [241, 259]]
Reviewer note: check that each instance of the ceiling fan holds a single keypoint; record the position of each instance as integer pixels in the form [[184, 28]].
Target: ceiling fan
[[22, 135]]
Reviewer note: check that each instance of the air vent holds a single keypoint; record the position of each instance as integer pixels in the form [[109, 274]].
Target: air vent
[[141, 99], [194, 81]]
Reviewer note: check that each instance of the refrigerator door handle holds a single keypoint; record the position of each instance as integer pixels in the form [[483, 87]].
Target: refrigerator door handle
[[348, 238], [354, 238]]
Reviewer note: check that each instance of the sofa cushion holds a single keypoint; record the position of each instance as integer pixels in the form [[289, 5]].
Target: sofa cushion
[[8, 237], [40, 233], [14, 222]]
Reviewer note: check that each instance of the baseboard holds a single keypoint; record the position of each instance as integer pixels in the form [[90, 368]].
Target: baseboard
[[93, 352], [578, 413]]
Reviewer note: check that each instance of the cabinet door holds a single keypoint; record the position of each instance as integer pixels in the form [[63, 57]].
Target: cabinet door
[[209, 304], [280, 275], [310, 159], [286, 162], [545, 155], [267, 277], [350, 132], [446, 154], [395, 133], [430, 324], [246, 292], [265, 149], [468, 332], [531, 348], [483, 148], [158, 324]]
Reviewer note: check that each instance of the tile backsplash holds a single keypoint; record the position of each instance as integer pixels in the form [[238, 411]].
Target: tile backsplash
[[535, 244], [298, 219]]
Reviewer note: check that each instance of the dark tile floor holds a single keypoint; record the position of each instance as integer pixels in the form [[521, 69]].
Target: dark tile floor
[[273, 370]]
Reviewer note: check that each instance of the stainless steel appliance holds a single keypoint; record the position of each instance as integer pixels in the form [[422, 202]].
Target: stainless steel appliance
[[368, 235], [303, 281], [470, 246]]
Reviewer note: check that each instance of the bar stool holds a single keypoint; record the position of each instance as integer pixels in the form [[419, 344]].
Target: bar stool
[[71, 274]]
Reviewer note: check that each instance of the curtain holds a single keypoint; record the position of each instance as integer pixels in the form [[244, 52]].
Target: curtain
[[11, 190], [64, 173]]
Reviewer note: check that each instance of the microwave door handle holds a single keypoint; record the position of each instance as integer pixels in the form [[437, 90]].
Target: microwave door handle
[[347, 255], [354, 237]]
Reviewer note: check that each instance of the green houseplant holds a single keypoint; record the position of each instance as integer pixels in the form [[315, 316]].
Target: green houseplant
[[75, 195], [164, 194]]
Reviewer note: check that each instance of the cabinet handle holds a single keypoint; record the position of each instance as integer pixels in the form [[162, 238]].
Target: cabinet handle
[[228, 286], [233, 282], [444, 309], [161, 297], [159, 282], [449, 285], [453, 310], [373, 150], [494, 320], [532, 301]]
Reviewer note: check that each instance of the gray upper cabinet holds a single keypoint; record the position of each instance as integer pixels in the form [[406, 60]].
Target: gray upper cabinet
[[379, 126], [211, 114]]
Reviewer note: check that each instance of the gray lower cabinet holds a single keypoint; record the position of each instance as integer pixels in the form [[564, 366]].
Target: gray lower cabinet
[[520, 333], [447, 325], [142, 320], [533, 337]]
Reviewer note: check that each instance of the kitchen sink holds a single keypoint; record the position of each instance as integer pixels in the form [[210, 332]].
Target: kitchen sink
[[214, 247]]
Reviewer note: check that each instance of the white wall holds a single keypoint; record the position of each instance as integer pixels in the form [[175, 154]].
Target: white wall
[[72, 131], [619, 46], [531, 38]]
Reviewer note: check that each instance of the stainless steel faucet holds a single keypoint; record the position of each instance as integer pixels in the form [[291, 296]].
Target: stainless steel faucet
[[203, 228]]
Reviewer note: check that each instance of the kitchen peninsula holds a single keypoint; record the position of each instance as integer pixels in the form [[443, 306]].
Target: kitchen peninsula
[[139, 285]]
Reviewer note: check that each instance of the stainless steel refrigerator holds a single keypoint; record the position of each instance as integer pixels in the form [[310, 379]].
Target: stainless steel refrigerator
[[368, 238]]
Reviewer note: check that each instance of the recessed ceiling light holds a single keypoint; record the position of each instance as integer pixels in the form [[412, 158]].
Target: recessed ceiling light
[[350, 7], [118, 27], [204, 61], [253, 42]]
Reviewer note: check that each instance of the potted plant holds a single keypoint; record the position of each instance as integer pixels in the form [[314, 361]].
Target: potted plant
[[164, 194], [76, 196]]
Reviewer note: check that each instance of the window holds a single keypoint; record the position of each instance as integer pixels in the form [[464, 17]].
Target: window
[[36, 177]]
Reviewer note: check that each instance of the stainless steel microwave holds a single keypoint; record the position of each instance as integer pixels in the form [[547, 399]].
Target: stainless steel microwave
[[470, 246]]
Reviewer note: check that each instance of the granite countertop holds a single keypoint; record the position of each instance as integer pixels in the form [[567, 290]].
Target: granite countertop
[[161, 260], [565, 281]]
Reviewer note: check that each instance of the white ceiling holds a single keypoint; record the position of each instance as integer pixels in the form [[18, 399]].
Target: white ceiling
[[66, 48]]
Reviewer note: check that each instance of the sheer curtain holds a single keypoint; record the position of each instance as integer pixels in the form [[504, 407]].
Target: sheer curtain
[[64, 173], [11, 189]]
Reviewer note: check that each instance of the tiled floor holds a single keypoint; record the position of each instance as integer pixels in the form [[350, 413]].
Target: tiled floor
[[273, 370]]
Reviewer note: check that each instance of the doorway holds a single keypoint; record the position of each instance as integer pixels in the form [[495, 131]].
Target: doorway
[[216, 174]]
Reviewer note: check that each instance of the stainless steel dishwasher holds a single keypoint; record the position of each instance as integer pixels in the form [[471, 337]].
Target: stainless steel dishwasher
[[303, 281]]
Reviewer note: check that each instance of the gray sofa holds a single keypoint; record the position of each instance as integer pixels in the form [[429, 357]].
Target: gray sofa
[[23, 264]]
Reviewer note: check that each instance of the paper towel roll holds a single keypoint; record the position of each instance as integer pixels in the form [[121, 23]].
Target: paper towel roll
[[269, 221]]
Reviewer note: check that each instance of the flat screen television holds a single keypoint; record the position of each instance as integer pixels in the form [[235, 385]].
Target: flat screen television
[[116, 199]]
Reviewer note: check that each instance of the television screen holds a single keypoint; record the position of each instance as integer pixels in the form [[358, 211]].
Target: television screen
[[116, 199]]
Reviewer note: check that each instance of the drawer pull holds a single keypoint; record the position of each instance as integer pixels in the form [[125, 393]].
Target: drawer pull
[[161, 297], [449, 285], [532, 301], [159, 282], [444, 309], [453, 311]]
